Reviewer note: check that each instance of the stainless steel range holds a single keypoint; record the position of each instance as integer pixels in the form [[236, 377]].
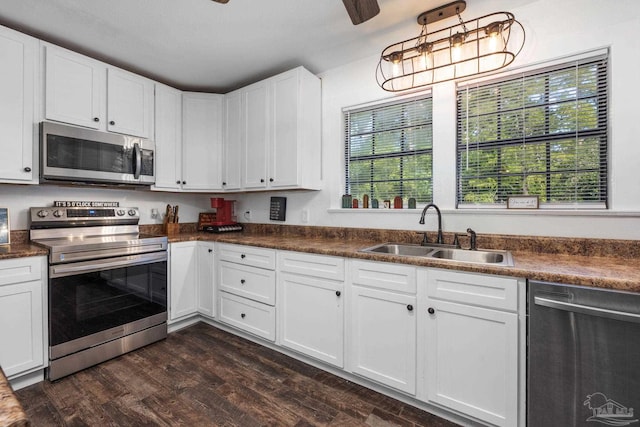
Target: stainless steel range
[[107, 284]]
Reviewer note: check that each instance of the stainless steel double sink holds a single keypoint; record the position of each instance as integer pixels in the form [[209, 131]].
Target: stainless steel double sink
[[480, 256]]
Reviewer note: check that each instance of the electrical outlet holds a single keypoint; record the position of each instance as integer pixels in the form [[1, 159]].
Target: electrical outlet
[[247, 215], [305, 216]]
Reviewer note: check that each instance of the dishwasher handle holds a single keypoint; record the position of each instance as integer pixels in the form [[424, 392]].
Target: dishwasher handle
[[587, 309]]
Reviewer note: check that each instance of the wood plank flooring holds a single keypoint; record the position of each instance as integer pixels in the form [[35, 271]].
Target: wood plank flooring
[[202, 376]]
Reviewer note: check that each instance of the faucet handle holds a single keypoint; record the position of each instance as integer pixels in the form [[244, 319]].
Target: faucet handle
[[425, 239], [456, 241]]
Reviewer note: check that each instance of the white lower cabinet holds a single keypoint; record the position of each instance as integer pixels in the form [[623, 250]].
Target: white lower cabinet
[[191, 280], [250, 316], [311, 305], [183, 275], [451, 339], [206, 279], [247, 283], [22, 315], [382, 325], [468, 344]]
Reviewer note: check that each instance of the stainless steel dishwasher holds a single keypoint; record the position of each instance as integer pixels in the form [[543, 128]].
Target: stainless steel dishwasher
[[584, 356]]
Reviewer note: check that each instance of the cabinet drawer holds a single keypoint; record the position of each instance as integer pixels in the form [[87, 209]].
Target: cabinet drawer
[[248, 255], [253, 317], [20, 270], [382, 275], [257, 284], [325, 267], [477, 289]]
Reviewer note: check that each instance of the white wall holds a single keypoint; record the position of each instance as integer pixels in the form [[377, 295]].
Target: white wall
[[554, 29]]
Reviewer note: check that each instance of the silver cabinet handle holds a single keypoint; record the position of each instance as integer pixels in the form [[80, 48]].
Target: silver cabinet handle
[[587, 309]]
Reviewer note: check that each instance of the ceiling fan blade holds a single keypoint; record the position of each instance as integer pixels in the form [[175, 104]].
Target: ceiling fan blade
[[361, 10], [222, 1]]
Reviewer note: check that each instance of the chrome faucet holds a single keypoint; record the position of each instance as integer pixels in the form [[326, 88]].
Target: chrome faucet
[[424, 211]]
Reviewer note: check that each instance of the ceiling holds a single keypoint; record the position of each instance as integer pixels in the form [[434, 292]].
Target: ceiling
[[204, 45]]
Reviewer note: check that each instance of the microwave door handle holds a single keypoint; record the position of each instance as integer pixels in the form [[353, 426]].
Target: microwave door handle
[[138, 159]]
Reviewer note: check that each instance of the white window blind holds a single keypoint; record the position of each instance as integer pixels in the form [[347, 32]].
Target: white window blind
[[388, 151], [539, 133]]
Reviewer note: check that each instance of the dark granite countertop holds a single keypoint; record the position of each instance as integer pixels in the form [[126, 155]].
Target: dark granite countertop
[[597, 271], [21, 250], [11, 412]]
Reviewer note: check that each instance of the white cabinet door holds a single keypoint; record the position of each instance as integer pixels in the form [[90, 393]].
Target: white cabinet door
[[256, 139], [283, 170], [202, 141], [183, 280], [206, 284], [22, 311], [311, 316], [18, 54], [130, 104], [75, 88], [382, 341], [232, 171], [471, 360], [295, 140], [21, 327], [168, 138], [468, 344]]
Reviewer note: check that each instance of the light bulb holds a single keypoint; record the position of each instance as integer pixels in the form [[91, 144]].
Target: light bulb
[[492, 31], [456, 41], [396, 61], [424, 53]]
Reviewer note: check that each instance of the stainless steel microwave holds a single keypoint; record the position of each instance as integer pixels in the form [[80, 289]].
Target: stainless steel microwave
[[69, 153]]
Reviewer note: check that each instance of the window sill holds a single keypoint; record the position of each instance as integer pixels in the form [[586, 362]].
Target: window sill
[[510, 212]]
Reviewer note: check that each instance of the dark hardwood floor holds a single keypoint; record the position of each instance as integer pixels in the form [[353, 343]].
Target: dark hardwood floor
[[202, 376]]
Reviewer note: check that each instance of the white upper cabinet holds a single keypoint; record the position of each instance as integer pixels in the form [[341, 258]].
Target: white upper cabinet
[[295, 148], [201, 141], [74, 88], [256, 129], [232, 168], [168, 138], [130, 104], [80, 91], [18, 56], [280, 132]]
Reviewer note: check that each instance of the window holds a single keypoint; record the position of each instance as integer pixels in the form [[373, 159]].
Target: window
[[388, 151], [542, 133]]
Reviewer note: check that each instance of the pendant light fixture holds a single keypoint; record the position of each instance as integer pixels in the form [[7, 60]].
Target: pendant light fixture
[[465, 49]]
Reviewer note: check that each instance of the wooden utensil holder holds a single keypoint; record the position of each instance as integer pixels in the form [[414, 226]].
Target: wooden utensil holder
[[172, 228]]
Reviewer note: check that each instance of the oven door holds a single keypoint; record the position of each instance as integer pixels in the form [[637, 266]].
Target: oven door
[[93, 302]]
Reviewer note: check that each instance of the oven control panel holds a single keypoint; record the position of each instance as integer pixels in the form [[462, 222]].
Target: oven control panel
[[61, 215]]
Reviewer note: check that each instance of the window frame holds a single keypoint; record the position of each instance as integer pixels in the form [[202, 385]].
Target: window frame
[[380, 106], [603, 131]]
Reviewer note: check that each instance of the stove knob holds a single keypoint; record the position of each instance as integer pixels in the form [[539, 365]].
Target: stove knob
[[43, 213], [132, 212], [58, 213], [120, 212]]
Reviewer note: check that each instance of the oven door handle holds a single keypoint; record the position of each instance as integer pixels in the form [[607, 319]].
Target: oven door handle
[[105, 264]]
